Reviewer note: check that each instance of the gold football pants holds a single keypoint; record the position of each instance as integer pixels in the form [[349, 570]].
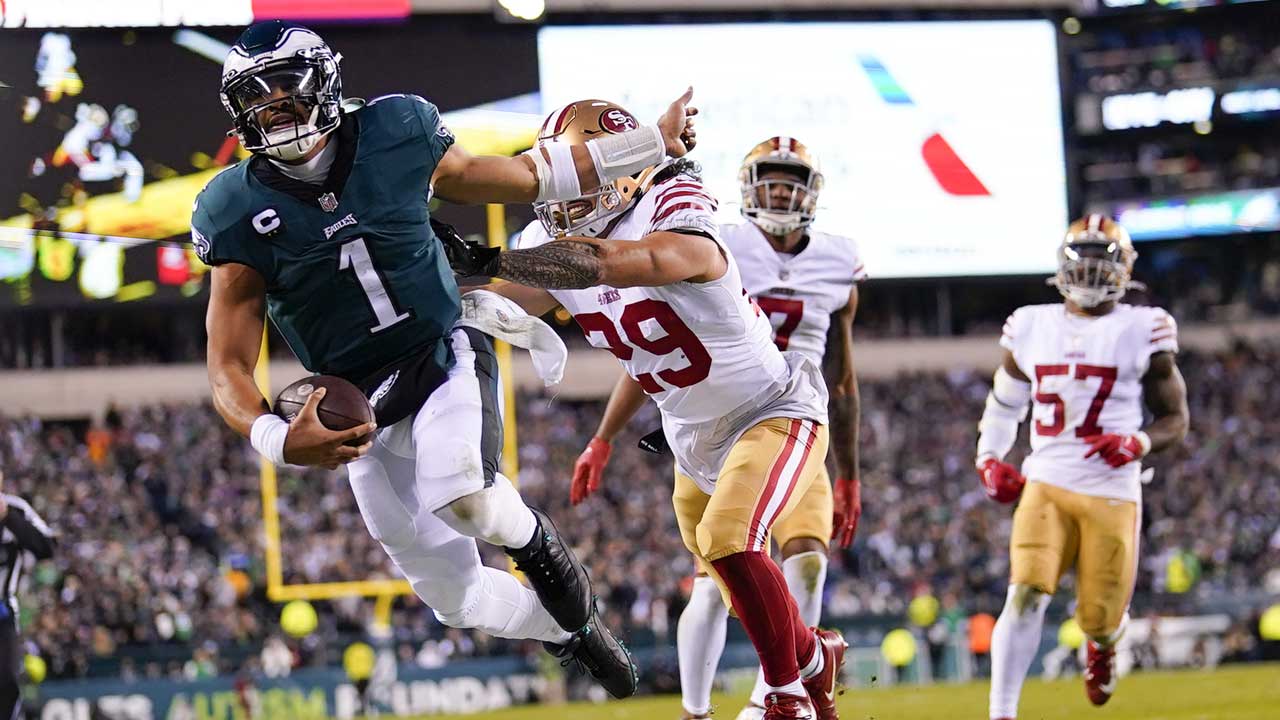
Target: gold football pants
[[764, 477], [1055, 529]]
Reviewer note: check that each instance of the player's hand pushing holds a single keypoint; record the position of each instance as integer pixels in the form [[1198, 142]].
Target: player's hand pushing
[[309, 442], [676, 125]]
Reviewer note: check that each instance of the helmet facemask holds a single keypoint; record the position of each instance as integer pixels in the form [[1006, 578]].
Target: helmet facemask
[[1093, 271], [780, 197], [299, 98], [589, 214]]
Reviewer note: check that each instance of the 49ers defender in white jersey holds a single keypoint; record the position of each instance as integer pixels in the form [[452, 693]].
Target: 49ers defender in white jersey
[[800, 292], [1086, 375], [703, 352], [1087, 366], [641, 267], [806, 282]]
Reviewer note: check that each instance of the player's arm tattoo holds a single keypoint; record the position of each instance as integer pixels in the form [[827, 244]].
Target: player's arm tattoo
[[557, 265], [1165, 394]]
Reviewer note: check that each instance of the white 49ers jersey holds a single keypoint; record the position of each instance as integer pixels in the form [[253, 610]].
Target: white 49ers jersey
[[702, 351], [798, 292], [1086, 375]]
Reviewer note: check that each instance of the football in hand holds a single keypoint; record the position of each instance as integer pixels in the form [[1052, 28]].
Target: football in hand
[[343, 405]]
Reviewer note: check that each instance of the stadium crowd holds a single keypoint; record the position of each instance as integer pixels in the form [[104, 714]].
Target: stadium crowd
[[1211, 279], [162, 542], [1176, 167], [1126, 58]]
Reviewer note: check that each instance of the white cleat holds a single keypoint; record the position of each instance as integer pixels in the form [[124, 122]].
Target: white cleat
[[751, 712]]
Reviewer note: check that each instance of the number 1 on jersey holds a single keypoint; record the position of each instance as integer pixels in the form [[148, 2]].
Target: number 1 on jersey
[[354, 256]]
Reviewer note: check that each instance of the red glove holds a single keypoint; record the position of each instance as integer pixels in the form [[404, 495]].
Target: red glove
[[848, 508], [588, 470], [1002, 481], [1118, 450]]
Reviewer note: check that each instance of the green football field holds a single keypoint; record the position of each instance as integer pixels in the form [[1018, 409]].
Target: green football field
[[1235, 693]]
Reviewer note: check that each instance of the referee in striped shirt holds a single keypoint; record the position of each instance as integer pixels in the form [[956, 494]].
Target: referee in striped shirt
[[22, 533]]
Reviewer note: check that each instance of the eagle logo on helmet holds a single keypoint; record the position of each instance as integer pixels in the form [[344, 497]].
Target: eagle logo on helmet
[[591, 213]]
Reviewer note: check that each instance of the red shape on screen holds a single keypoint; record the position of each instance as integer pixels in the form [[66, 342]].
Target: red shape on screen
[[172, 266], [303, 10], [952, 174]]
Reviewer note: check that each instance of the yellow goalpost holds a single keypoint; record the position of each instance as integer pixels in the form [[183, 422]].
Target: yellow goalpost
[[384, 590]]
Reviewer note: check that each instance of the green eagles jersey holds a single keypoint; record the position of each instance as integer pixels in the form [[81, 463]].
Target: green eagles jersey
[[355, 277]]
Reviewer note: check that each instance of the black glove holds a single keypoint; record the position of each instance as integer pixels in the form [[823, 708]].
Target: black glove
[[655, 442], [466, 258]]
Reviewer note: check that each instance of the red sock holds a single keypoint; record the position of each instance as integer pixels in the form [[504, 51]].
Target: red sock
[[806, 641], [768, 613]]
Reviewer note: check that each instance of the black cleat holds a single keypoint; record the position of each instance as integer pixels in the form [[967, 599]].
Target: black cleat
[[555, 575], [597, 651]]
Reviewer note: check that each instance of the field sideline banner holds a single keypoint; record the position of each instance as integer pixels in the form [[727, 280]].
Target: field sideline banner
[[311, 694]]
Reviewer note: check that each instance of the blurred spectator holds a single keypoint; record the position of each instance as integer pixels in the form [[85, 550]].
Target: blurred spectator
[[1117, 57], [1207, 279], [1177, 166]]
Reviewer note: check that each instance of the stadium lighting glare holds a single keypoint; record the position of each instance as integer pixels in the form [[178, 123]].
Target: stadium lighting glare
[[1071, 26], [520, 10]]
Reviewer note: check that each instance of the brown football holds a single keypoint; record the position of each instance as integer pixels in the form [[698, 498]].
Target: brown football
[[342, 407]]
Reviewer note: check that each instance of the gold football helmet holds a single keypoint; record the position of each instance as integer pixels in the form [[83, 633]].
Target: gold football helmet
[[777, 205], [1095, 262], [591, 213]]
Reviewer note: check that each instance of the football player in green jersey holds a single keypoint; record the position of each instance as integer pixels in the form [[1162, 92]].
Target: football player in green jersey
[[326, 229]]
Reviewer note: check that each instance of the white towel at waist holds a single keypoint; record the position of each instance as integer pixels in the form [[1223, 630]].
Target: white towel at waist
[[500, 318]]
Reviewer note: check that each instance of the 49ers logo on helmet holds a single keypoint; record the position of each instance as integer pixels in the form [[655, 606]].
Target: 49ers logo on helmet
[[616, 120]]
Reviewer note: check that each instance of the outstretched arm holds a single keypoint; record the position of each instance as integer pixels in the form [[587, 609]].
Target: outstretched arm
[[660, 258], [474, 179], [563, 173]]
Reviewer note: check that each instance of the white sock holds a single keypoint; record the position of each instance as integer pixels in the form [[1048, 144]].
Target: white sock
[[496, 515], [806, 575], [792, 688], [815, 664], [504, 608], [700, 641], [1014, 643], [1114, 637]]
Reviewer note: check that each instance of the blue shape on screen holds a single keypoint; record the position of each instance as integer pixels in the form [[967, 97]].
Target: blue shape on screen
[[883, 82]]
